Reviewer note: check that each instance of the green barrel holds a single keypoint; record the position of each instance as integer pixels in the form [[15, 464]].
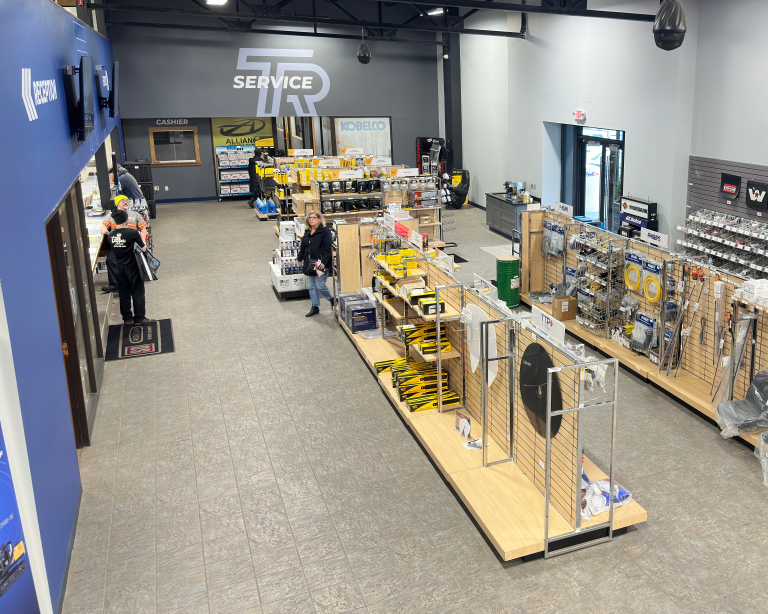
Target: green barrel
[[508, 280]]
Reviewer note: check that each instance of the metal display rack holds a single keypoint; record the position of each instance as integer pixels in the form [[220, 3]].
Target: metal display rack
[[239, 166]]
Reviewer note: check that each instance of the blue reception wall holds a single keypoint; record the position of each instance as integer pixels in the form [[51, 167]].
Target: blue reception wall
[[39, 160]]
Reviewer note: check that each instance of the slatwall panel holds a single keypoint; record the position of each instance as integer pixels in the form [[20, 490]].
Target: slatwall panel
[[704, 186], [553, 265], [530, 448], [498, 394]]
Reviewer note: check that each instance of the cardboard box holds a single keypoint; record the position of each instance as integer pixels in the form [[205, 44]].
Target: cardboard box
[[564, 308]]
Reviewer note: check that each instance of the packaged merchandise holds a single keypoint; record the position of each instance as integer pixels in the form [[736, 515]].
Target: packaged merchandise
[[384, 366], [633, 269], [644, 337], [652, 287], [595, 498], [429, 401]]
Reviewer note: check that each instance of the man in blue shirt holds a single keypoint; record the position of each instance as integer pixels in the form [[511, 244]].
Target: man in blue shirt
[[129, 185]]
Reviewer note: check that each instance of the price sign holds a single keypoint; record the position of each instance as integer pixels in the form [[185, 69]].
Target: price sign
[[354, 151], [381, 161], [303, 152], [351, 174], [564, 209], [407, 172]]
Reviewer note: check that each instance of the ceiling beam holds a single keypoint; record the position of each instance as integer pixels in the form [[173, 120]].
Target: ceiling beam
[[527, 8], [320, 21], [355, 37]]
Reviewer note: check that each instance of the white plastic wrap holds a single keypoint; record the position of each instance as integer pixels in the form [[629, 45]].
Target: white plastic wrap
[[747, 416], [761, 451], [594, 496]]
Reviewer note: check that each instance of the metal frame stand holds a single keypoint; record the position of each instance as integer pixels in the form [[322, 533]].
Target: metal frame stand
[[548, 465]]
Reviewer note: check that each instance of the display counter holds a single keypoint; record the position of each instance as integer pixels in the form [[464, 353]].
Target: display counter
[[503, 214], [523, 493]]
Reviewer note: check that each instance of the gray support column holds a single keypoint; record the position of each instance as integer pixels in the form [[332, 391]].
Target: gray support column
[[452, 99], [102, 175]]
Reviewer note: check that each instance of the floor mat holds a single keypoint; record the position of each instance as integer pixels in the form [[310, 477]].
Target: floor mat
[[501, 250], [132, 341], [457, 259]]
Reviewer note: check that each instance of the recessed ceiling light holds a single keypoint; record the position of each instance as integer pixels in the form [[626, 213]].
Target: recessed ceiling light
[[435, 12]]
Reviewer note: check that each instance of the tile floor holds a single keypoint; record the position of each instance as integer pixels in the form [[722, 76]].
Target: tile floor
[[259, 469]]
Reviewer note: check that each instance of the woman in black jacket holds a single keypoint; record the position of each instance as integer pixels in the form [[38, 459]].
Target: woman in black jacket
[[315, 258]]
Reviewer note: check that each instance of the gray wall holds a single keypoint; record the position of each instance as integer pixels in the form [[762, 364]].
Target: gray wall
[[170, 73], [183, 182]]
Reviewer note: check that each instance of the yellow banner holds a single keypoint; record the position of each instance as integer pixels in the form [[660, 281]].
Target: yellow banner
[[242, 131]]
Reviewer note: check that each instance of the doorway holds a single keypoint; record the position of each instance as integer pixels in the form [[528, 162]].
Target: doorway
[[75, 293], [600, 165]]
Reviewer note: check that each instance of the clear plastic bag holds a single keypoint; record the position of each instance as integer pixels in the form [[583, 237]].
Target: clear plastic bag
[[761, 451], [594, 496]]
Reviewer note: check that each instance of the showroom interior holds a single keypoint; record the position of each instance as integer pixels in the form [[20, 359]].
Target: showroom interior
[[541, 379]]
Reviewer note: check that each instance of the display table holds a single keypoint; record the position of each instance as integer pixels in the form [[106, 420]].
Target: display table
[[502, 214], [503, 501]]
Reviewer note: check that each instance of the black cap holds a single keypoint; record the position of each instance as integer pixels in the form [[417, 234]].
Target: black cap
[[120, 217]]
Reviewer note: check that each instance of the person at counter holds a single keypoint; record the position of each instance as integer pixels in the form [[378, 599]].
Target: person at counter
[[136, 222], [128, 184]]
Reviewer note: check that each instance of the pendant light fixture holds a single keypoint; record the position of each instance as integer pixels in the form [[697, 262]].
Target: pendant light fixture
[[363, 52], [669, 28]]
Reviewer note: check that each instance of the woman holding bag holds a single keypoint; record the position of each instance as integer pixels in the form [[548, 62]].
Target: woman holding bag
[[315, 259]]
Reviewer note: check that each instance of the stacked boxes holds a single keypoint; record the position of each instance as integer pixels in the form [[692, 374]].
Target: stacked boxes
[[357, 312]]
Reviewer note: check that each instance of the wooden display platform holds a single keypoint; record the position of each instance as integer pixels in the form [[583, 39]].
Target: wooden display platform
[[502, 500], [265, 216], [687, 388]]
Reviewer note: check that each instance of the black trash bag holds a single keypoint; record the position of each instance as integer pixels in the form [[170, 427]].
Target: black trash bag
[[749, 415]]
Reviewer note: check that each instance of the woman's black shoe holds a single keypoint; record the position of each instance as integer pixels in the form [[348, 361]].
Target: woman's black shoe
[[333, 302], [313, 312]]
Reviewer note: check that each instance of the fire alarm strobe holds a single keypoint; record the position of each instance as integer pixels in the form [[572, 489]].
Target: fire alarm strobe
[[730, 185]]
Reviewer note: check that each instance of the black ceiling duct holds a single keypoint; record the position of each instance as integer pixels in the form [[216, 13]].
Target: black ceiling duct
[[669, 28]]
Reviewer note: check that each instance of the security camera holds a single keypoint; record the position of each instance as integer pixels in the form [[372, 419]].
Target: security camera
[[363, 54], [669, 28]]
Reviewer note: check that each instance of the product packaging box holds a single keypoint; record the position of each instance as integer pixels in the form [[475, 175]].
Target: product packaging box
[[288, 230], [298, 282], [360, 316], [345, 299], [564, 308]]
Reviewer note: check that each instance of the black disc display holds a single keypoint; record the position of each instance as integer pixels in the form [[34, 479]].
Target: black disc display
[[533, 389]]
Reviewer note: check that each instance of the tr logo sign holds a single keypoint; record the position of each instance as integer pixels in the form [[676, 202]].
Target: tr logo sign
[[287, 76], [34, 93]]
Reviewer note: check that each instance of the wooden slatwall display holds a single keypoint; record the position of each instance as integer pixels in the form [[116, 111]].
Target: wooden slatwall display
[[497, 399], [532, 265], [530, 448]]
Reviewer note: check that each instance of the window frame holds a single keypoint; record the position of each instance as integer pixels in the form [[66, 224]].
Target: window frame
[[192, 129]]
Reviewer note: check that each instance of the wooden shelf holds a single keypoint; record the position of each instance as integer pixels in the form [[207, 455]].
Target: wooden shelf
[[503, 501], [277, 230], [266, 216], [449, 314], [433, 357], [430, 223], [396, 307]]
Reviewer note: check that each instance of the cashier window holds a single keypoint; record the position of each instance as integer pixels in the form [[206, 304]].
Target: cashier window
[[174, 147]]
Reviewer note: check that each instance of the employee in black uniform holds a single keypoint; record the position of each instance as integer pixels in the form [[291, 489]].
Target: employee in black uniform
[[128, 184], [129, 282]]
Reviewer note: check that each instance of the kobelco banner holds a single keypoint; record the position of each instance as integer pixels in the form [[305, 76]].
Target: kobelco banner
[[303, 84]]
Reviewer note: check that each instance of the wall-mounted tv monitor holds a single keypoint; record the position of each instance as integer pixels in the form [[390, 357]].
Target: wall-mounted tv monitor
[[114, 106], [85, 105]]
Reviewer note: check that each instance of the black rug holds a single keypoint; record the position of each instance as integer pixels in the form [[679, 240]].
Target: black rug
[[458, 259], [132, 341]]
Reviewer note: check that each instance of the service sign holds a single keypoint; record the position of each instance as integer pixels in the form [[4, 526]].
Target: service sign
[[564, 209], [553, 328], [654, 238]]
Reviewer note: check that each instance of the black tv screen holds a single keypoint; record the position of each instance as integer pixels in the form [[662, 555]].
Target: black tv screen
[[114, 107], [85, 107]]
